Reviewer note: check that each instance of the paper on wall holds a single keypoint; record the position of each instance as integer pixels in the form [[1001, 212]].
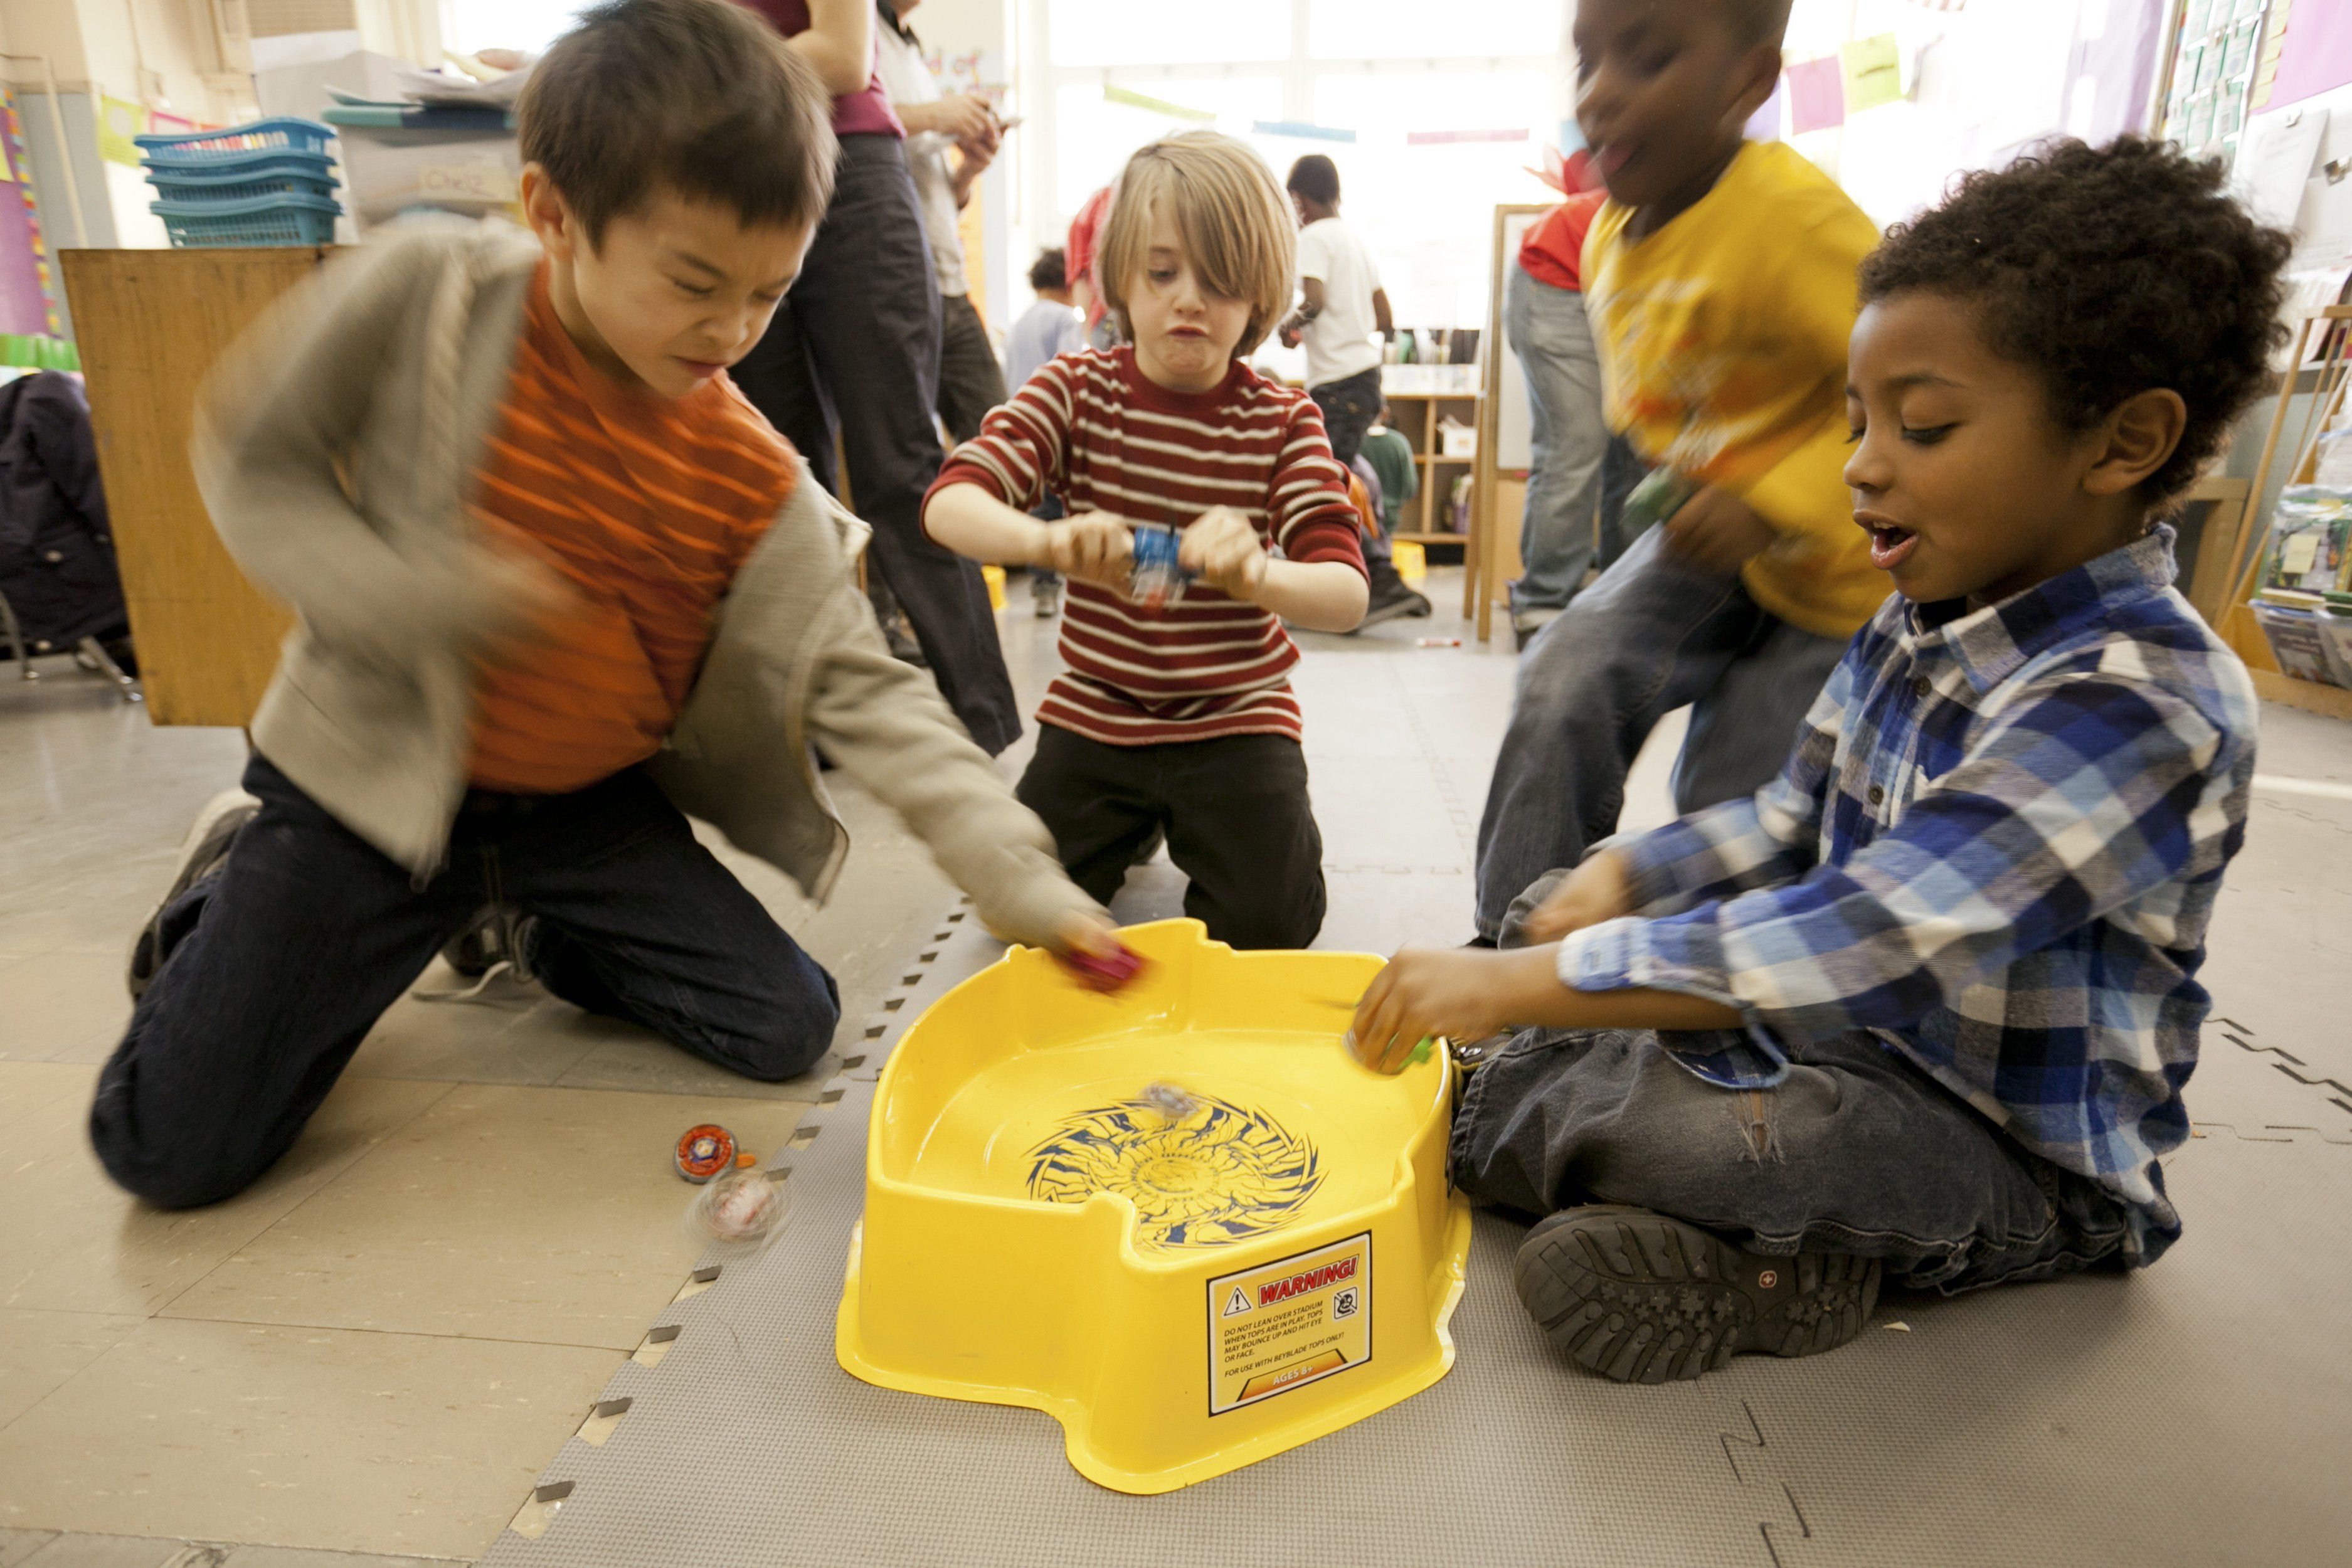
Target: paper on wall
[[2273, 174], [1872, 71], [119, 123], [1816, 95]]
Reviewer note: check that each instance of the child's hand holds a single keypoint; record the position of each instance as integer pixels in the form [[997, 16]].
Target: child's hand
[[1093, 547], [1464, 993], [1223, 551], [1595, 891], [1716, 532], [1090, 935]]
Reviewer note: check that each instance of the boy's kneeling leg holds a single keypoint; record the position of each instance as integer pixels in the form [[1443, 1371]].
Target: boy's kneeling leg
[[1242, 829], [761, 1006], [636, 920], [303, 939]]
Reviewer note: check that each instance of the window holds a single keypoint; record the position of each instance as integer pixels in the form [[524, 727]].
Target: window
[[1417, 30], [1201, 32], [1424, 207], [1094, 135], [467, 26]]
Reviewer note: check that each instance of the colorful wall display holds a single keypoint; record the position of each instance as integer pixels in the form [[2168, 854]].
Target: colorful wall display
[[29, 284]]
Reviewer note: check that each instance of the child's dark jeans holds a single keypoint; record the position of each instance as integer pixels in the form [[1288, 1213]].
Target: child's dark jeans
[[1856, 1150], [1235, 810], [279, 965]]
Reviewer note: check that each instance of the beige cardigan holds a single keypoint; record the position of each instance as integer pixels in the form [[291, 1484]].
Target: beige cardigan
[[386, 371]]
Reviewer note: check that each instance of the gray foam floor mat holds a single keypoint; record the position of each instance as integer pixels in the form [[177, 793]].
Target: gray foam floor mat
[[2200, 1411], [2195, 1413]]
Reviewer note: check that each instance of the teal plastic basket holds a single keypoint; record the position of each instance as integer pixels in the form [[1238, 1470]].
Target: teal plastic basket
[[201, 148], [260, 174], [265, 220]]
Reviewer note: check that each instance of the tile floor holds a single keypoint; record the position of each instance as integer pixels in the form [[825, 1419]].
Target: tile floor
[[376, 1349]]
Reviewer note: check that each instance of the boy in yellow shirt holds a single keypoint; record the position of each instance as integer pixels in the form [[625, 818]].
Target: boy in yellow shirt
[[1721, 280]]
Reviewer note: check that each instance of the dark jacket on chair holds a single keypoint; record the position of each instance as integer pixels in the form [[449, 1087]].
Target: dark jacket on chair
[[56, 549]]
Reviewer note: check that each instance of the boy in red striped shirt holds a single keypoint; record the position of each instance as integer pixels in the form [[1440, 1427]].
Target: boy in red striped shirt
[[1179, 719]]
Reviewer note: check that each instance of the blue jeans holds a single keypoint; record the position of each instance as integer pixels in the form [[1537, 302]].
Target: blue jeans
[[1648, 637], [279, 965], [1567, 437], [1856, 1150]]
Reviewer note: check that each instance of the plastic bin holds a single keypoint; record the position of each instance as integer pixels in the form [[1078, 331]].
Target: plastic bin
[[203, 149], [1186, 1291], [264, 220], [389, 172], [265, 174]]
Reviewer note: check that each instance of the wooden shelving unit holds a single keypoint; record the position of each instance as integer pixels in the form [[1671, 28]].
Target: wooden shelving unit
[[2324, 336], [1415, 416]]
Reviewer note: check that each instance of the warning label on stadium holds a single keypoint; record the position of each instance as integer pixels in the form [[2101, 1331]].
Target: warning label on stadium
[[1285, 1324]]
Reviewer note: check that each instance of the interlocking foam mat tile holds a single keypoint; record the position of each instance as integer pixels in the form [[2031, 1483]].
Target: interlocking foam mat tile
[[2200, 1411]]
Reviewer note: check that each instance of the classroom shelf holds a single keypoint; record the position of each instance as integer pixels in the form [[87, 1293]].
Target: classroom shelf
[[1415, 416]]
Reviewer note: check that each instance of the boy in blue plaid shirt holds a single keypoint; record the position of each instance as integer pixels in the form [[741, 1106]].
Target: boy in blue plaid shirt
[[1922, 1008]]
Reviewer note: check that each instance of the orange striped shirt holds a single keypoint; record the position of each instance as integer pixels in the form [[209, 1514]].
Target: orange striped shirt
[[647, 508]]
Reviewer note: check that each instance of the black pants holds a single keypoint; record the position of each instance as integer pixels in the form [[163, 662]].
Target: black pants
[[279, 965], [1349, 404], [970, 381], [855, 350], [1235, 810]]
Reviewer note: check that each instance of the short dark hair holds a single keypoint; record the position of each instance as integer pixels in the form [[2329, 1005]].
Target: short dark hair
[[1316, 178], [1050, 271], [698, 96], [2112, 271]]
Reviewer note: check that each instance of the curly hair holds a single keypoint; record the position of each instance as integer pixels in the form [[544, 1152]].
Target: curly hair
[[2109, 270]]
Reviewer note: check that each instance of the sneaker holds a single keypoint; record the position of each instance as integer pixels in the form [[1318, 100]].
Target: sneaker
[[202, 855], [1045, 597], [493, 954], [1391, 597], [1640, 1298], [1525, 624], [499, 933]]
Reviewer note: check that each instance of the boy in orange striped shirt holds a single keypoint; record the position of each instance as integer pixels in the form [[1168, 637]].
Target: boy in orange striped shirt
[[558, 584]]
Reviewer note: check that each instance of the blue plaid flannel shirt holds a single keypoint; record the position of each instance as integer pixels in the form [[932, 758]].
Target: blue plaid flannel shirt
[[1996, 848]]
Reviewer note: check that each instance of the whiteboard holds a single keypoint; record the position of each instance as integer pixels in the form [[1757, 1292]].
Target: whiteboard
[[1513, 449]]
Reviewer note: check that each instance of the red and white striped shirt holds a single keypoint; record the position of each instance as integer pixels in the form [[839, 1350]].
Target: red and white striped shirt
[[1090, 428]]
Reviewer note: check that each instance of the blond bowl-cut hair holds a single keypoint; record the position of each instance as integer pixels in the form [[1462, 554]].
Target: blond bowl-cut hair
[[1230, 214]]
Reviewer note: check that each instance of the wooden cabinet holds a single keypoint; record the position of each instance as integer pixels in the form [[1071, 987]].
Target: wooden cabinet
[[149, 324]]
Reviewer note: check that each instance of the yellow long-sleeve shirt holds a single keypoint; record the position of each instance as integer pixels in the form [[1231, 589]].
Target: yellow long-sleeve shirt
[[1723, 344]]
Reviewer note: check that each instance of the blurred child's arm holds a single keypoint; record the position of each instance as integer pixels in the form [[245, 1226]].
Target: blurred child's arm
[[274, 420], [884, 723], [1310, 305], [1223, 551]]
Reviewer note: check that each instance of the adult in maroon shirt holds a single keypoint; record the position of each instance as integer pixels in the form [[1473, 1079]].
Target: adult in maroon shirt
[[855, 350]]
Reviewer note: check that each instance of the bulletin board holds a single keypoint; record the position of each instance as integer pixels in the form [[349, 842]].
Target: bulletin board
[[1507, 396]]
